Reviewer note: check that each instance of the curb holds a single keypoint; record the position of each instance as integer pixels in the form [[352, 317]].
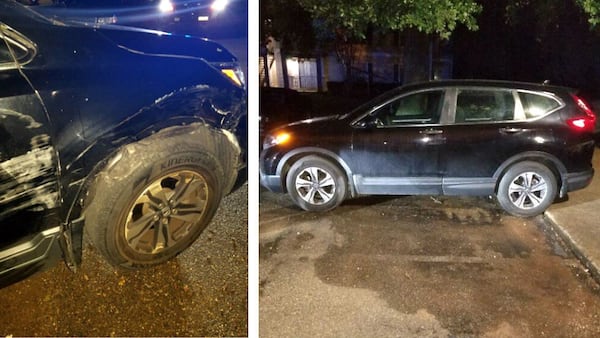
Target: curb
[[591, 267]]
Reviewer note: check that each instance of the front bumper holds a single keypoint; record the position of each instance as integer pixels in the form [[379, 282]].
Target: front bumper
[[271, 182]]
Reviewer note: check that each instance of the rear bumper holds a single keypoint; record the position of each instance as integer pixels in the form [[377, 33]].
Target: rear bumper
[[579, 180]]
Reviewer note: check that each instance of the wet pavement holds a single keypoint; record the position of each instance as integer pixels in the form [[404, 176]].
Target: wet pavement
[[203, 292], [418, 267]]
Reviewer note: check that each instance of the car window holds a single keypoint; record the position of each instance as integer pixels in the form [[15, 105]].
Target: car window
[[477, 105], [417, 108], [535, 105]]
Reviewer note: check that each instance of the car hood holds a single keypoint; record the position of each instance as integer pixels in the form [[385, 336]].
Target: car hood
[[165, 44], [142, 40], [316, 127]]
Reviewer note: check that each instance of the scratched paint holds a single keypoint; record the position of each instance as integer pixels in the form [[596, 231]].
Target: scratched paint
[[28, 120], [29, 181]]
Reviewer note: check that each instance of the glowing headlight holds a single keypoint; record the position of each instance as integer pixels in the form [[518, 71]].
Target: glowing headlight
[[276, 139], [219, 5], [235, 75], [165, 6]]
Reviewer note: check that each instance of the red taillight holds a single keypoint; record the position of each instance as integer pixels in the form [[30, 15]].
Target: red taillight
[[582, 123], [587, 122]]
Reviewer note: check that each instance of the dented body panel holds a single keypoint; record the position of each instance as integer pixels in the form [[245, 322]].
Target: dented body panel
[[70, 98]]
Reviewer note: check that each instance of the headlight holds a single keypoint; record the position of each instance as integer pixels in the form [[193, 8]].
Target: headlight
[[219, 5], [279, 138], [233, 72], [165, 6]]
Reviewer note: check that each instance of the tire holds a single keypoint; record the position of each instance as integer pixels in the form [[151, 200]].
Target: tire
[[316, 184], [155, 199], [527, 189]]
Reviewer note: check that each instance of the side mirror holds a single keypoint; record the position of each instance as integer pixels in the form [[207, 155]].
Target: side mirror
[[369, 122]]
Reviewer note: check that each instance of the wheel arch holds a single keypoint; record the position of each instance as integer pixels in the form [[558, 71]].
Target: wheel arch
[[82, 190], [217, 141], [291, 157], [550, 161], [182, 111]]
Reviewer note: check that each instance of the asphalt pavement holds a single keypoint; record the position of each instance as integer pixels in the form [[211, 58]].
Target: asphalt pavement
[[577, 220]]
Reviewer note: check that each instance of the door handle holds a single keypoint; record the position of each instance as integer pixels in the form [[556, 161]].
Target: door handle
[[431, 131], [510, 130]]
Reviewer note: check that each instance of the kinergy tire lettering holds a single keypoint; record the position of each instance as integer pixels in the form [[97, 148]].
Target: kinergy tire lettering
[[178, 161]]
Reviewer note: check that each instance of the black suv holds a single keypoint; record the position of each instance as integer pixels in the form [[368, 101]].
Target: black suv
[[525, 143], [135, 135]]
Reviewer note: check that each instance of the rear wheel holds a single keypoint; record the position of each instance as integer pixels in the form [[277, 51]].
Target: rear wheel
[[316, 184], [527, 189]]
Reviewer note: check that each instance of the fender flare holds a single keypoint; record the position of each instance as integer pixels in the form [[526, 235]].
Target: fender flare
[[538, 156]]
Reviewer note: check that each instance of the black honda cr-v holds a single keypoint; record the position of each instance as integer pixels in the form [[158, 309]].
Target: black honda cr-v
[[525, 143], [135, 136]]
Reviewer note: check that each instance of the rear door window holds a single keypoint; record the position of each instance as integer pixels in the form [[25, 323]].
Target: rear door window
[[480, 105]]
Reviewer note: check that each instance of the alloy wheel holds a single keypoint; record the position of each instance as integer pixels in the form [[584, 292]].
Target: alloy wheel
[[315, 185], [527, 190], [166, 211]]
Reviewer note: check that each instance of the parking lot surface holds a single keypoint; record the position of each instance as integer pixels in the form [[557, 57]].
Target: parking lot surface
[[418, 267]]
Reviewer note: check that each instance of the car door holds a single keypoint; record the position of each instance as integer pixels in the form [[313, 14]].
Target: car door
[[28, 167], [395, 146], [490, 126]]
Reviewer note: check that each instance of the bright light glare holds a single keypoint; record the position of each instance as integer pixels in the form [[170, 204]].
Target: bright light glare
[[233, 75], [277, 139], [281, 138], [165, 6], [536, 111], [219, 5]]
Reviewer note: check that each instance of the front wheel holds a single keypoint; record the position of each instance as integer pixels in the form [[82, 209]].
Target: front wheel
[[527, 189], [316, 184], [155, 200]]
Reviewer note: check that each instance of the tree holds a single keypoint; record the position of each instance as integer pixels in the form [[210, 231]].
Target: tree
[[422, 19], [592, 8], [533, 40], [428, 16], [518, 39], [350, 20], [289, 23]]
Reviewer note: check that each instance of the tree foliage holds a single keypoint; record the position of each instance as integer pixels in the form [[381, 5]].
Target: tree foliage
[[515, 39], [592, 8], [354, 17], [531, 40]]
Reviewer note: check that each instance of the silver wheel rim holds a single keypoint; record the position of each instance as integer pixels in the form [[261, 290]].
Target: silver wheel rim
[[315, 185], [166, 212], [528, 190]]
